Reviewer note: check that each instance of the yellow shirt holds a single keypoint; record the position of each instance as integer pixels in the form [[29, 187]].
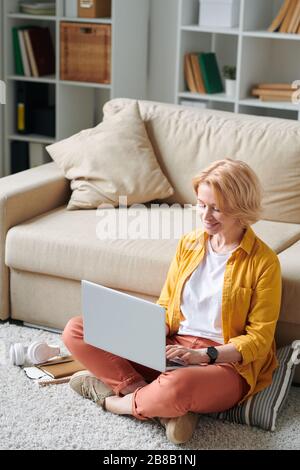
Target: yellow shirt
[[250, 301]]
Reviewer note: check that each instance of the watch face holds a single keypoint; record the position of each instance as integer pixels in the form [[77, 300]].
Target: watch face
[[212, 352]]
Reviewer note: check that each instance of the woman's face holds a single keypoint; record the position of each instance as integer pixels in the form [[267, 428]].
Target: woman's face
[[214, 221]]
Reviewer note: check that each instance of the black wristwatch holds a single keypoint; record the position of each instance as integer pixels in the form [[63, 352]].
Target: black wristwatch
[[212, 353]]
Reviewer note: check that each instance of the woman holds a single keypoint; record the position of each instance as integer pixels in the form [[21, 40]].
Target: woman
[[222, 299]]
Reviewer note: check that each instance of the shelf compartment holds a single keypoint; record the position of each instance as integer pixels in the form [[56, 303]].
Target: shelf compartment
[[267, 61]]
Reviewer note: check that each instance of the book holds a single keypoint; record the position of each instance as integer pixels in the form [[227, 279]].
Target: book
[[194, 58], [42, 49], [30, 55], [293, 26], [274, 98], [38, 8], [61, 367], [287, 20], [275, 86], [188, 74], [19, 159], [276, 23], [25, 61], [265, 92], [19, 70], [210, 72]]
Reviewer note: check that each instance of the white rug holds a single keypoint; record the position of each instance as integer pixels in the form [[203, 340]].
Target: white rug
[[54, 417]]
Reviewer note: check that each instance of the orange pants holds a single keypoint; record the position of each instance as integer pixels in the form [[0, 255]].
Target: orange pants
[[203, 389]]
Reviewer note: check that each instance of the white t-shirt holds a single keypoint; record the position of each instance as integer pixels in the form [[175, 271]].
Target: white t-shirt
[[202, 298]]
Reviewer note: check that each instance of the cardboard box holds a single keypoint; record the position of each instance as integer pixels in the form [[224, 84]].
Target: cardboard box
[[94, 8]]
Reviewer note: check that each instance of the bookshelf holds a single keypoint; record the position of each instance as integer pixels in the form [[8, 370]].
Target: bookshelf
[[78, 105], [259, 56]]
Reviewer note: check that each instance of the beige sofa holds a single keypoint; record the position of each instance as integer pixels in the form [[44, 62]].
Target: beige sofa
[[46, 250]]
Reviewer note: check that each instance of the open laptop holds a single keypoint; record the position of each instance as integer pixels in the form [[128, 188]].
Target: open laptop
[[124, 325]]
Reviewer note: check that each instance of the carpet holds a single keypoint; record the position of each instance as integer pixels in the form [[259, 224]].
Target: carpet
[[54, 417]]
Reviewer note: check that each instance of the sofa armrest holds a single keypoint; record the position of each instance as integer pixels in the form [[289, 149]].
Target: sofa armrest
[[23, 196]]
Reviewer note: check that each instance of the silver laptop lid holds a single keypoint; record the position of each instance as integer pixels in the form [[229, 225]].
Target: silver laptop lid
[[124, 325]]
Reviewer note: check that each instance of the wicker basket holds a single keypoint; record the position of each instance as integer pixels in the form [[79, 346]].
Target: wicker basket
[[85, 52]]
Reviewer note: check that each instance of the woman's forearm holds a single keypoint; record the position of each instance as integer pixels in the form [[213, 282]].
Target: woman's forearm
[[227, 353]]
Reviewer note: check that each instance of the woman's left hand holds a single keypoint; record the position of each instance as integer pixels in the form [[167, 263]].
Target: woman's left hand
[[187, 355]]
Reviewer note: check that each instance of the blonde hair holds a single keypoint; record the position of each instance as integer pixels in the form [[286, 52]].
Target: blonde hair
[[236, 187]]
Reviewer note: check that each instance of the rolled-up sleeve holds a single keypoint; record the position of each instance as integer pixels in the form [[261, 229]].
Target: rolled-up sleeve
[[170, 282], [262, 317]]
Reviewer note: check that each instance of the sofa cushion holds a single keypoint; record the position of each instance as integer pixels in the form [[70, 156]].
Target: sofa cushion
[[111, 160], [186, 140], [94, 245], [263, 408]]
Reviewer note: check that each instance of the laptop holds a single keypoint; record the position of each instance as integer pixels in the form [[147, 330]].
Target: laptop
[[124, 325]]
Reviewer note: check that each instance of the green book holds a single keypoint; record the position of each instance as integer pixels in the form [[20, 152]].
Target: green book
[[17, 53], [210, 72]]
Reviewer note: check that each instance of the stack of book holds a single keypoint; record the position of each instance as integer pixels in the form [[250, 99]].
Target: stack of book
[[37, 8], [33, 51], [202, 73], [288, 18], [274, 91]]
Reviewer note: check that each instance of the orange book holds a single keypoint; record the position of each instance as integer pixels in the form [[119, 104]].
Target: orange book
[[280, 16], [287, 20], [283, 93], [188, 74], [275, 86], [295, 19], [274, 98], [197, 73]]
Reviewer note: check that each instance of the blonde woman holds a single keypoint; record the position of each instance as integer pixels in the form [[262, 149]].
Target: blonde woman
[[222, 299]]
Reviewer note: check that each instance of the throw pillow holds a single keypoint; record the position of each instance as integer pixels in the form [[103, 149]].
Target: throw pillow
[[263, 408], [110, 160]]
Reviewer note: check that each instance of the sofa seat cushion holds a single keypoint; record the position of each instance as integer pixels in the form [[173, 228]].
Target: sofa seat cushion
[[74, 244]]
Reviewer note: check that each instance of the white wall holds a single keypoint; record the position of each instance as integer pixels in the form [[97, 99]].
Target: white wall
[[162, 50]]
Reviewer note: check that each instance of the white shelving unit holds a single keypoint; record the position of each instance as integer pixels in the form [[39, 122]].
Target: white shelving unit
[[78, 105], [258, 55]]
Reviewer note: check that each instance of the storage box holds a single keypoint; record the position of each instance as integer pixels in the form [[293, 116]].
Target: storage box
[[222, 13], [94, 8], [85, 52]]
